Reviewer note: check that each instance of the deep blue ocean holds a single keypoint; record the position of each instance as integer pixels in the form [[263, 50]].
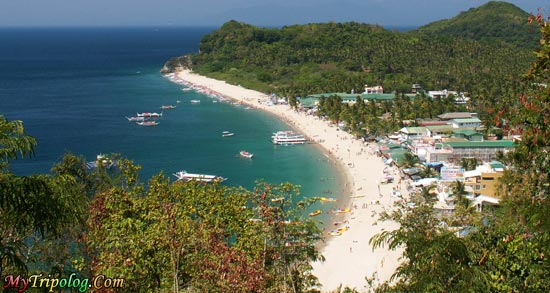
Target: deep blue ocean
[[73, 87]]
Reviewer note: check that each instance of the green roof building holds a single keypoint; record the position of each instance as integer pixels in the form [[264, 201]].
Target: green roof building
[[485, 151], [468, 134]]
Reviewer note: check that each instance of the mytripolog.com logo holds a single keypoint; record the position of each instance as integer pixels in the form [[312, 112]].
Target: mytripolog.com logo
[[21, 283]]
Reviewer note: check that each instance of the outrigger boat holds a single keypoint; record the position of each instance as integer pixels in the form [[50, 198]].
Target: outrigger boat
[[135, 118], [341, 211], [184, 176], [149, 115], [246, 154], [227, 133], [148, 123]]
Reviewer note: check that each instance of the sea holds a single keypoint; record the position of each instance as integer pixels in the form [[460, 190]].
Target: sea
[[73, 88]]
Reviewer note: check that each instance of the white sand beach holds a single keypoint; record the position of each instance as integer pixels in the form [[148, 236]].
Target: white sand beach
[[349, 257]]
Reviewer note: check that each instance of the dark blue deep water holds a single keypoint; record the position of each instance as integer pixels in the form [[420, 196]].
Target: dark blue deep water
[[72, 88]]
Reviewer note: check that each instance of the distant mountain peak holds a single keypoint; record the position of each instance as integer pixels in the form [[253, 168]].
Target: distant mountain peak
[[492, 21]]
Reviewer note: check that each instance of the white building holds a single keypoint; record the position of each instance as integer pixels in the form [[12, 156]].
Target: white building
[[374, 90]]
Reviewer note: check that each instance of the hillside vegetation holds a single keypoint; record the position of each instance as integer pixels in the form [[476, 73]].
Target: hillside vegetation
[[338, 57], [492, 22]]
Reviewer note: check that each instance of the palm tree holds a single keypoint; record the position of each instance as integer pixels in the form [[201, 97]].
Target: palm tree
[[426, 195], [429, 172], [410, 160], [459, 190]]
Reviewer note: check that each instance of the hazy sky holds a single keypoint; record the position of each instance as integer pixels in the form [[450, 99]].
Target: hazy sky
[[216, 12]]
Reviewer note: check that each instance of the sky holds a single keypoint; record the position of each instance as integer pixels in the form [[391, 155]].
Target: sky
[[388, 13]]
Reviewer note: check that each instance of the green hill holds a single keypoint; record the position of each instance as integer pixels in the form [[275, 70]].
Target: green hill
[[339, 57], [493, 21]]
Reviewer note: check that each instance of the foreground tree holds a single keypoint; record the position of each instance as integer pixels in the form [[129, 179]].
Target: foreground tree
[[33, 208], [201, 237]]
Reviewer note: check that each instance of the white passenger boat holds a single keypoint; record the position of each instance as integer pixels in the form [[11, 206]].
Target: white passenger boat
[[148, 123], [195, 101], [184, 176], [246, 154], [287, 138]]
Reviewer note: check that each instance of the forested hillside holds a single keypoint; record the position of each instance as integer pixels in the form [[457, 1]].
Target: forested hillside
[[338, 57], [494, 21]]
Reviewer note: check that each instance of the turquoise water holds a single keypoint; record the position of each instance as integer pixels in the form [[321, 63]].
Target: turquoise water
[[73, 87]]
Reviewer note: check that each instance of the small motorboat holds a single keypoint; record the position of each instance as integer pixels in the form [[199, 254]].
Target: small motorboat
[[327, 199], [315, 213], [246, 154], [227, 133], [195, 101], [167, 107], [148, 123]]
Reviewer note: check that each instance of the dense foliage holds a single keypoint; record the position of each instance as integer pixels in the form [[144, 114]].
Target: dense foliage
[[338, 57], [504, 249], [34, 209], [494, 21], [202, 238]]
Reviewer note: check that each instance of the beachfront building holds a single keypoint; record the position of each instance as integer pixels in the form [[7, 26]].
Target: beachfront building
[[467, 134], [413, 133], [466, 123], [431, 122], [439, 131], [456, 115], [351, 98], [481, 150]]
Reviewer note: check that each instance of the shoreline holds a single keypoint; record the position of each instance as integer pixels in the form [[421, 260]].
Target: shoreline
[[348, 258]]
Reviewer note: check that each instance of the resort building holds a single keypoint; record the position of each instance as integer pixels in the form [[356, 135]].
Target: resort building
[[422, 122], [413, 133], [470, 135], [456, 115], [481, 150], [441, 94], [484, 180], [374, 90], [438, 131], [466, 123]]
